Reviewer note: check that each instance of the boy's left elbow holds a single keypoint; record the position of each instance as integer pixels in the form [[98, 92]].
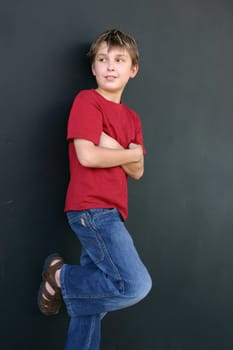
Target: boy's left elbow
[[138, 175]]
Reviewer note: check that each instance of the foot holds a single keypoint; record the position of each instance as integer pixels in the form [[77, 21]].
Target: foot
[[49, 296], [49, 289]]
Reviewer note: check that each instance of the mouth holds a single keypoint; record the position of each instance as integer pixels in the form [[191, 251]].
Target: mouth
[[110, 77]]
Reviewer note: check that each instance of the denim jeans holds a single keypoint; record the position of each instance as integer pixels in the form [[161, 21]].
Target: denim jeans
[[110, 276]]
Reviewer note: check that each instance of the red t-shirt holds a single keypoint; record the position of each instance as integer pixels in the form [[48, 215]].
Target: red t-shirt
[[89, 188]]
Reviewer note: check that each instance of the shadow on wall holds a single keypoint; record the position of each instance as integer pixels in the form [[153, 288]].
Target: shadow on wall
[[36, 224], [48, 147], [79, 72]]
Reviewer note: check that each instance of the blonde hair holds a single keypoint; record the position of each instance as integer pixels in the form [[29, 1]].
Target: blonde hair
[[115, 37]]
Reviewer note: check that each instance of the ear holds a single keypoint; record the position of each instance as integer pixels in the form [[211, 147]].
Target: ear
[[93, 69], [134, 71]]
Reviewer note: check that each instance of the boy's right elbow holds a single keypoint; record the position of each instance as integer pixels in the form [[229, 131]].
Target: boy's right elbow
[[85, 152], [85, 161]]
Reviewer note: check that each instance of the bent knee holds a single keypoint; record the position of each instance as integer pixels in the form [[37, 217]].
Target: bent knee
[[142, 286], [145, 286]]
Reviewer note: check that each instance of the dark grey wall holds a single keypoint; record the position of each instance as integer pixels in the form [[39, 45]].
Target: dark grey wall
[[180, 212]]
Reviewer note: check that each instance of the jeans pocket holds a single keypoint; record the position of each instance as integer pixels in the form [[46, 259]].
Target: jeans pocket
[[94, 250], [88, 237]]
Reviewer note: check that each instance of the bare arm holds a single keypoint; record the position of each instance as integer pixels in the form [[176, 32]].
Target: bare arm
[[90, 155], [133, 169]]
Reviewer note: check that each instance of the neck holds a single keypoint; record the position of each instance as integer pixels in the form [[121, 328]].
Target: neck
[[110, 96]]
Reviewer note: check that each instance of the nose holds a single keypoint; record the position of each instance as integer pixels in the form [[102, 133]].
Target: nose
[[110, 65]]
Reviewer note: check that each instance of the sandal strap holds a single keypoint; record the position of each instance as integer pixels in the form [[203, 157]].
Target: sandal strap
[[48, 278], [50, 304], [49, 275], [47, 296]]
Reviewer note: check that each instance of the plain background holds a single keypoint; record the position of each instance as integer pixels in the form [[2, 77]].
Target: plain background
[[180, 212]]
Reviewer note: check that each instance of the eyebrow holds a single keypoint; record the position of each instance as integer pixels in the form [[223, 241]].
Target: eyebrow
[[118, 55]]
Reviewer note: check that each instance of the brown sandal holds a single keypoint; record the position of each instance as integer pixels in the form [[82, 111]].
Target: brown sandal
[[50, 304]]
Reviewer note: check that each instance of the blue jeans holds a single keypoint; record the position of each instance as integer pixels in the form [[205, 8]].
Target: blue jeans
[[110, 276]]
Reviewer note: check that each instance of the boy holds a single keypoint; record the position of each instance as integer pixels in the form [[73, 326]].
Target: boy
[[105, 147]]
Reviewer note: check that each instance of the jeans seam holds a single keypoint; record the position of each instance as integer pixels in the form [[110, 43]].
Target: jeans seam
[[108, 255], [90, 221], [92, 329], [97, 296], [103, 213]]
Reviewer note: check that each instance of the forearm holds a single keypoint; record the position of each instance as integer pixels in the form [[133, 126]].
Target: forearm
[[107, 158], [134, 169], [93, 156]]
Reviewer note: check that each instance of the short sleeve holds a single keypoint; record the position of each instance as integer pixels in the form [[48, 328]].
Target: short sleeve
[[139, 134], [85, 119]]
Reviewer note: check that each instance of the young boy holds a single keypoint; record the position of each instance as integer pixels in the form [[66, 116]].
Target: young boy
[[105, 147]]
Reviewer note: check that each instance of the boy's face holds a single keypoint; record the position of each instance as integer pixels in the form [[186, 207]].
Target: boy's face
[[112, 69]]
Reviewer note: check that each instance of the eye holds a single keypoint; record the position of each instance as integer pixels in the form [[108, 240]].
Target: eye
[[120, 59], [101, 59]]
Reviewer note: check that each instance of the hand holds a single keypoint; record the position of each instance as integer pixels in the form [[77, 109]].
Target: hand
[[109, 142], [134, 145], [138, 147]]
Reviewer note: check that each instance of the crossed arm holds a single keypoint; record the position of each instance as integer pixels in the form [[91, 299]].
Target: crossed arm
[[109, 153]]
